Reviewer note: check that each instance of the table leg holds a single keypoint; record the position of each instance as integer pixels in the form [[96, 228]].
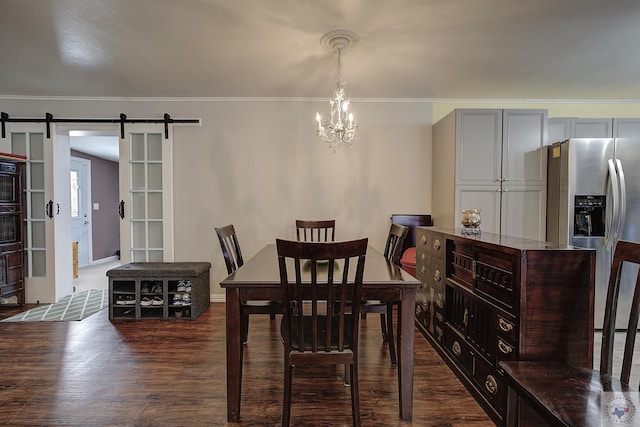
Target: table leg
[[234, 355], [406, 323]]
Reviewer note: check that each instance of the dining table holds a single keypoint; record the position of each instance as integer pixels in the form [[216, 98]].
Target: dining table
[[259, 280]]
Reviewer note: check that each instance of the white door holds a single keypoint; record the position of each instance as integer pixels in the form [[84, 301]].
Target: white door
[[80, 186], [44, 218], [146, 194]]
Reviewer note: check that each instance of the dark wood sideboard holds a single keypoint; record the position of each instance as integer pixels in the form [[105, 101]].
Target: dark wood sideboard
[[489, 298]]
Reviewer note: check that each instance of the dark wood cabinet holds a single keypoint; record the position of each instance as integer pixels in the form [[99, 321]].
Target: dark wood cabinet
[[11, 244], [489, 298]]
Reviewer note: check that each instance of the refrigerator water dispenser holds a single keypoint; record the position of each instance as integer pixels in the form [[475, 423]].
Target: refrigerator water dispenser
[[589, 217]]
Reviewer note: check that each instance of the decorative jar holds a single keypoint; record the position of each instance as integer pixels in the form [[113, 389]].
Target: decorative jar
[[471, 221]]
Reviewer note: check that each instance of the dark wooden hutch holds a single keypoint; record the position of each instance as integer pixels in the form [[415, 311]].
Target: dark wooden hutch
[[487, 298], [11, 230]]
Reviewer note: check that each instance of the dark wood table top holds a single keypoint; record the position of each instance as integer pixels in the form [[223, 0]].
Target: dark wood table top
[[263, 270], [570, 396]]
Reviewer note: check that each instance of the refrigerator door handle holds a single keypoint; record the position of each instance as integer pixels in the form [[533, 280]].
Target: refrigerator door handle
[[612, 220], [623, 201]]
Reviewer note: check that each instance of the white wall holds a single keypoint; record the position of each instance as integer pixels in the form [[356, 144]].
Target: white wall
[[257, 164]]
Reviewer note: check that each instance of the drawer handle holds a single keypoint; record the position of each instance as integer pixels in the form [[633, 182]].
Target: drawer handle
[[423, 257], [504, 325], [491, 385], [423, 269], [436, 245], [504, 347], [456, 348], [437, 276], [423, 239]]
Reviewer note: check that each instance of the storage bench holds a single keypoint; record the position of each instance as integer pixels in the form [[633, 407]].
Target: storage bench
[[159, 290]]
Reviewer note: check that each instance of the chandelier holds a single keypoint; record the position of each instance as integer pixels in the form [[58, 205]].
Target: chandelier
[[341, 127]]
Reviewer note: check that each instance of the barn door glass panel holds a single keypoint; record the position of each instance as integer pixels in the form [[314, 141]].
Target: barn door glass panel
[[147, 215], [31, 144]]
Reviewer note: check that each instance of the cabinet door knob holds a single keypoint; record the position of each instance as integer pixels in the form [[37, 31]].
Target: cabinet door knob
[[455, 347], [491, 385], [437, 276], [436, 244], [504, 325], [504, 347]]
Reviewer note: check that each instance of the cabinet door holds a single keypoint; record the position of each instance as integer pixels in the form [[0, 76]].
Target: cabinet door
[[524, 159], [479, 146], [626, 128], [559, 129], [523, 212], [592, 128], [487, 199]]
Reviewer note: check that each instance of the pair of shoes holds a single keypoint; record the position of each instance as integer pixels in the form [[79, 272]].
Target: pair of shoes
[[187, 286], [156, 289], [145, 288], [182, 286], [182, 299], [125, 300], [147, 301]]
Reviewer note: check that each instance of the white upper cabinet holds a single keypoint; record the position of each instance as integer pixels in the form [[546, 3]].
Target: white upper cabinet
[[494, 160], [497, 146], [626, 128], [562, 128]]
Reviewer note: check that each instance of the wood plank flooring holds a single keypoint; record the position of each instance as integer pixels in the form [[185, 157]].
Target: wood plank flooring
[[172, 373]]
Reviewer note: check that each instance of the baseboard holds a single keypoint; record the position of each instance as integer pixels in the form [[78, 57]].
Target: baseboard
[[103, 260], [217, 298]]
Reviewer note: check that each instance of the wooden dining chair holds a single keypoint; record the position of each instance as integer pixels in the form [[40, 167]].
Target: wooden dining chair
[[315, 231], [315, 277], [393, 252], [569, 395], [233, 260]]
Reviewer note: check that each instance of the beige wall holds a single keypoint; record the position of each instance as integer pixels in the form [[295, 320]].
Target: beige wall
[[258, 164]]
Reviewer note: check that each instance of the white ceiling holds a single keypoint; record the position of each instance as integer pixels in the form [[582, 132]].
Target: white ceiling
[[427, 49]]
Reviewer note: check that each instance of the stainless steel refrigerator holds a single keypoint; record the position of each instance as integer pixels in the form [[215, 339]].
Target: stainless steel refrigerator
[[593, 200]]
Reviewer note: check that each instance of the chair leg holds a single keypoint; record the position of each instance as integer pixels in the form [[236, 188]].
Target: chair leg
[[355, 394], [347, 375], [244, 327], [390, 337], [383, 326], [286, 402]]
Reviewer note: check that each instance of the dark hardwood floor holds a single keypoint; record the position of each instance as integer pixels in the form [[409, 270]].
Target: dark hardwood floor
[[172, 373]]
